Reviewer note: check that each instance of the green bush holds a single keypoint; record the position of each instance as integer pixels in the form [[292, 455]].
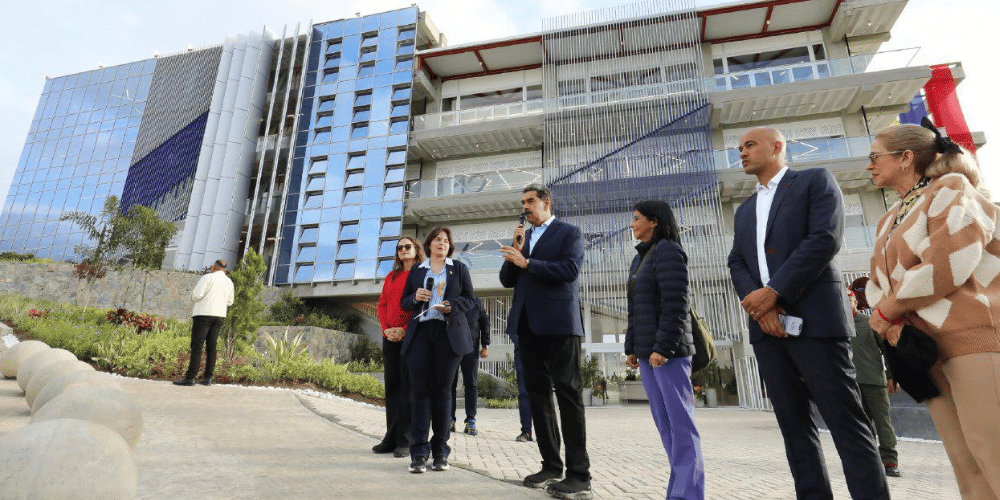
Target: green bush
[[365, 367], [292, 310], [509, 403], [364, 349], [491, 387], [164, 354], [24, 257]]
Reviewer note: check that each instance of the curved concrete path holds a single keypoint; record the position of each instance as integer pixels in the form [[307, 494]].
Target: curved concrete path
[[224, 442]]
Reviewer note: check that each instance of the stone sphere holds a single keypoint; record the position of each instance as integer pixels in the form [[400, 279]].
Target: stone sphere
[[67, 459], [73, 379], [31, 364], [109, 407], [48, 373], [11, 359]]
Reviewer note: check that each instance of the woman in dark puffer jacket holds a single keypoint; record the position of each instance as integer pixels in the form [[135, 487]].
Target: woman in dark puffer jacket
[[659, 342]]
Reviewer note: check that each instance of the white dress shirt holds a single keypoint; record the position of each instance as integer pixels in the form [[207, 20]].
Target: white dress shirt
[[765, 196], [212, 295], [536, 233]]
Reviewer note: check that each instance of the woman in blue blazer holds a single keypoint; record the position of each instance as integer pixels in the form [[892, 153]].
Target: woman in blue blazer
[[439, 291], [658, 341]]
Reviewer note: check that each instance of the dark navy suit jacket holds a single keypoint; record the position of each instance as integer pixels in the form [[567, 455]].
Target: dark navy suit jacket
[[804, 232], [458, 293], [547, 291]]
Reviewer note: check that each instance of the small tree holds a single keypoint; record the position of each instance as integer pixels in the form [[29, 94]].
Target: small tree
[[147, 238], [108, 230], [245, 313]]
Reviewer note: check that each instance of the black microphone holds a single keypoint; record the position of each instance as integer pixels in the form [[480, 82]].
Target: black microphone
[[428, 284], [524, 216]]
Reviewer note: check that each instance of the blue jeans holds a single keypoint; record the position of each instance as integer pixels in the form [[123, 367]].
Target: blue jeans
[[433, 366], [671, 401]]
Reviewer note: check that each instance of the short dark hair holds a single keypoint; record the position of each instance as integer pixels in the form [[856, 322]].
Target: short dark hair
[[544, 193], [434, 234], [659, 211]]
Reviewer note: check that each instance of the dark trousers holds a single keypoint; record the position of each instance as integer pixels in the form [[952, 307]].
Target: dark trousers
[[875, 401], [800, 372], [433, 366], [523, 402], [554, 361], [470, 375], [204, 332], [397, 394]]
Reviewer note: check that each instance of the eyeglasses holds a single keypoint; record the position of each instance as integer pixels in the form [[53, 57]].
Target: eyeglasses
[[873, 156], [406, 247]]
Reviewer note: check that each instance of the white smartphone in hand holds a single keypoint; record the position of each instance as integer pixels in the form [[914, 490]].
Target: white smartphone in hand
[[791, 324]]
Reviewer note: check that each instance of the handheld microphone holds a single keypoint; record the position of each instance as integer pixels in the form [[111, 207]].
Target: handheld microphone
[[428, 284], [524, 216]]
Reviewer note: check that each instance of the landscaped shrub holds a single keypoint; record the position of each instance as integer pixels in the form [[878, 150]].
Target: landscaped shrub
[[141, 322], [491, 387], [364, 349]]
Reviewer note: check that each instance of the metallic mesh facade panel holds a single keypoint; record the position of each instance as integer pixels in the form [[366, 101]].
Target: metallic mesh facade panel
[[627, 119], [78, 151], [180, 93], [161, 179], [344, 203]]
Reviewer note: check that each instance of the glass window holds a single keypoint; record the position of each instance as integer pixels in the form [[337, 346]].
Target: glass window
[[769, 59], [363, 99], [359, 130], [324, 121], [387, 248], [404, 64], [345, 270], [390, 228], [400, 110], [367, 56], [352, 197], [396, 157], [332, 61], [330, 75], [318, 165], [408, 32], [533, 92], [405, 48], [394, 192], [399, 126], [384, 268], [369, 40], [333, 45], [366, 70], [572, 87], [354, 178], [394, 174], [306, 254], [326, 105], [401, 94], [316, 184], [361, 114], [348, 231], [304, 273], [449, 104], [321, 135], [347, 250], [309, 235], [492, 98], [818, 52], [356, 161]]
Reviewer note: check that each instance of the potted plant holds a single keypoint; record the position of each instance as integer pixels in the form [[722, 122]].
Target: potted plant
[[591, 375], [631, 388], [706, 384]]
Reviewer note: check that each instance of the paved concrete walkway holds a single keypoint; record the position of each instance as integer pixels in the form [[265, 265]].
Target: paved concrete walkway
[[224, 442]]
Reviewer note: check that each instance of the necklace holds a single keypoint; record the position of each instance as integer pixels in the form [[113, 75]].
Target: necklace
[[907, 201]]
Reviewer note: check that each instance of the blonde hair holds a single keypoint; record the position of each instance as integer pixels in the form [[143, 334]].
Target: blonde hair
[[926, 158]]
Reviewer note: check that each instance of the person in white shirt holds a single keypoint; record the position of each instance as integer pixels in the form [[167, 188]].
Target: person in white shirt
[[212, 297]]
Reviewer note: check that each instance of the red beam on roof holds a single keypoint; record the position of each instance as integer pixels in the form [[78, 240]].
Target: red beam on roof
[[486, 46], [481, 61], [426, 67], [834, 13], [704, 21], [752, 36], [491, 72], [748, 6], [767, 18]]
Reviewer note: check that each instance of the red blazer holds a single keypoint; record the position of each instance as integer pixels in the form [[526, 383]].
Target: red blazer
[[390, 314]]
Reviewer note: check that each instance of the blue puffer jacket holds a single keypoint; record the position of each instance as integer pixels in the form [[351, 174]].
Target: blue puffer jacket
[[658, 317]]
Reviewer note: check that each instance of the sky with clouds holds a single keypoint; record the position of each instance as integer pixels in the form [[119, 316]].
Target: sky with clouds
[[59, 37]]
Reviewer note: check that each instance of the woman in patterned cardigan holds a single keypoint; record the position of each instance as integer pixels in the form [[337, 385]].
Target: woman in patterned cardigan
[[935, 266]]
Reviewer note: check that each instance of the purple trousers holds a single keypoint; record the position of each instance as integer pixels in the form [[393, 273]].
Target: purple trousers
[[671, 400]]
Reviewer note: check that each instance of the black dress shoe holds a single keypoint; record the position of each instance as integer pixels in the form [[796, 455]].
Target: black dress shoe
[[523, 437], [205, 381], [384, 447], [401, 452], [184, 381]]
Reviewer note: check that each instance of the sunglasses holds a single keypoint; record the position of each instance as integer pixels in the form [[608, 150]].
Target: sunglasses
[[406, 247], [873, 156]]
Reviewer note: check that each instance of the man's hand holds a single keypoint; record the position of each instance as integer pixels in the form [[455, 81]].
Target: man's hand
[[759, 301], [517, 242], [892, 385], [514, 256], [484, 352], [770, 323], [632, 361]]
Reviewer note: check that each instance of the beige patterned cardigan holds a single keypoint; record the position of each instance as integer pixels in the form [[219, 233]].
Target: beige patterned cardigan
[[938, 269]]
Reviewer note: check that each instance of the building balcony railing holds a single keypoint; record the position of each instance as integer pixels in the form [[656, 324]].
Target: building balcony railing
[[761, 77], [503, 180], [477, 115], [800, 150], [813, 70]]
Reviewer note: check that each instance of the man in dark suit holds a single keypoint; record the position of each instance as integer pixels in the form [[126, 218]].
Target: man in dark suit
[[786, 236], [543, 267]]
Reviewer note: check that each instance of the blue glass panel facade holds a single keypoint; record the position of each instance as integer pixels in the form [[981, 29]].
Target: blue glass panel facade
[[345, 187], [78, 152]]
